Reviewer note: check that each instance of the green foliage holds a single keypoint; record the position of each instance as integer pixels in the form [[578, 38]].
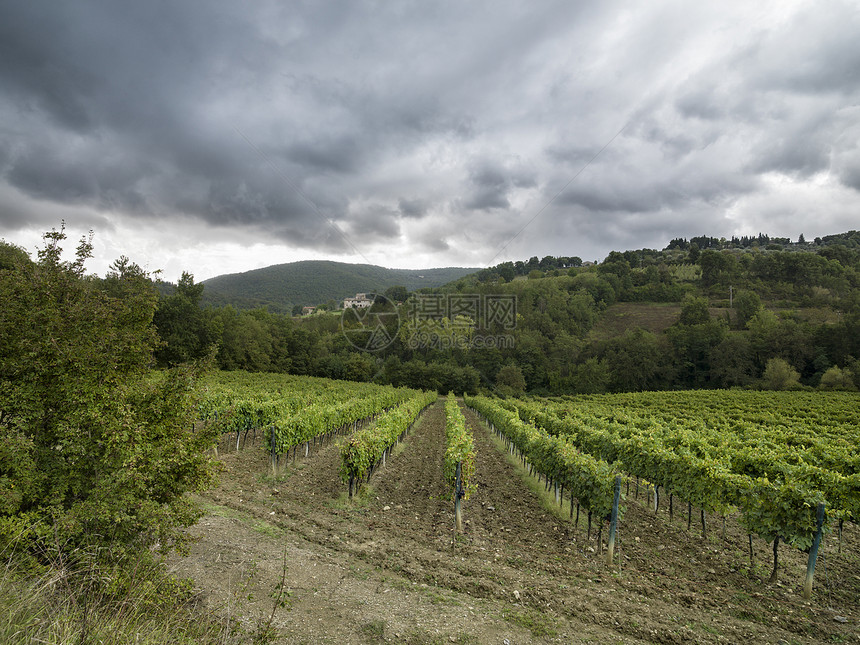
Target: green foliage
[[280, 287], [397, 293], [291, 410], [694, 311], [799, 303], [95, 452], [731, 362], [635, 361], [441, 376], [773, 455], [510, 380], [12, 256], [747, 305], [589, 479], [783, 510], [718, 268], [836, 378], [363, 448], [185, 329], [694, 347], [459, 448], [779, 375], [591, 377]]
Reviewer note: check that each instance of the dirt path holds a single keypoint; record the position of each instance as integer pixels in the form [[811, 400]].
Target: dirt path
[[387, 567]]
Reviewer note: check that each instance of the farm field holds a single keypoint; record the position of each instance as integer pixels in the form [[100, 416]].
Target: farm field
[[387, 566]]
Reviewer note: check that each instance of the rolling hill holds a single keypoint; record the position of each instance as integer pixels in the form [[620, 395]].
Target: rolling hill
[[282, 286]]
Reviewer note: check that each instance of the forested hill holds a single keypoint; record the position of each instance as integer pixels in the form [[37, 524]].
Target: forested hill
[[312, 282], [700, 313]]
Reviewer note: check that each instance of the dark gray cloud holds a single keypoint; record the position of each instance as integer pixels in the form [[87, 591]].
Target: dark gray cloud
[[373, 222], [412, 207], [329, 127], [851, 174], [492, 182]]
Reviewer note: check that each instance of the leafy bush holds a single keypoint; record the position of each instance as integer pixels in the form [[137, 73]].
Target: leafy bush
[[97, 454]]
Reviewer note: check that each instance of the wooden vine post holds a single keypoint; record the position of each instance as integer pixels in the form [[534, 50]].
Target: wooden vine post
[[613, 522], [813, 552]]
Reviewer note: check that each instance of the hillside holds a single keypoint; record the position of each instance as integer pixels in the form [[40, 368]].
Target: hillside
[[311, 282], [701, 313]]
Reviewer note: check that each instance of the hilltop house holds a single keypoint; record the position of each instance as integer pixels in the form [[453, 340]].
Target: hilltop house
[[361, 301]]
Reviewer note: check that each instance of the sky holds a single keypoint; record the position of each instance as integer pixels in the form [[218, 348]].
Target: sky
[[218, 137]]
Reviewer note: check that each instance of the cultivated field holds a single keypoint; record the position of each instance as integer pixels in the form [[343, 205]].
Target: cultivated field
[[388, 567]]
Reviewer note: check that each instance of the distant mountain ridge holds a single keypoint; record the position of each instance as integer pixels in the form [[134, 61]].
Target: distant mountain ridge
[[311, 282]]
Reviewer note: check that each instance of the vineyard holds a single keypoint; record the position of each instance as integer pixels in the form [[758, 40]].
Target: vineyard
[[525, 557], [291, 410], [788, 463]]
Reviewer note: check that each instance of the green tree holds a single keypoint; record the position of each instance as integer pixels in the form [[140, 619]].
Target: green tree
[[182, 324], [635, 361], [246, 340], [717, 268], [747, 305], [397, 294], [694, 345], [359, 366], [510, 380], [731, 362], [837, 378], [779, 375], [591, 377], [506, 270], [694, 311], [763, 328], [694, 253], [96, 450], [12, 255]]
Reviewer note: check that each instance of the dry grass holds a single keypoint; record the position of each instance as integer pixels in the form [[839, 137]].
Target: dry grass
[[62, 606], [654, 317]]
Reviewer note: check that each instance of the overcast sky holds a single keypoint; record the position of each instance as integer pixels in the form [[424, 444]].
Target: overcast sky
[[222, 136]]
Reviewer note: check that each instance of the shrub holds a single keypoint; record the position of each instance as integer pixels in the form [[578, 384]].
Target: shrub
[[97, 453]]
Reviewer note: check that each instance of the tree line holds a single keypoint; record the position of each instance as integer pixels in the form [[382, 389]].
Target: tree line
[[782, 315]]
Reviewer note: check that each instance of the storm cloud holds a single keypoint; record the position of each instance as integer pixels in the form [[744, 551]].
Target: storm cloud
[[218, 137]]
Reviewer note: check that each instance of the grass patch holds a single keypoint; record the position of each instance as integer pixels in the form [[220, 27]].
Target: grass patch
[[359, 501], [269, 479], [618, 318], [423, 637], [358, 573], [374, 629], [436, 597], [398, 448], [746, 614], [260, 526], [538, 624], [708, 629], [61, 606]]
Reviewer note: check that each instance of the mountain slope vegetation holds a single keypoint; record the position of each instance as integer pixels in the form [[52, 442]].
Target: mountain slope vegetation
[[283, 286]]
